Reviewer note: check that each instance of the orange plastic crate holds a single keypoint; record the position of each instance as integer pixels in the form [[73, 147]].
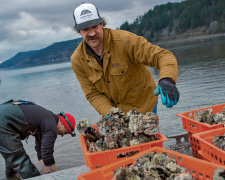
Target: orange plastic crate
[[209, 151], [194, 126], [199, 169], [97, 159], [195, 147]]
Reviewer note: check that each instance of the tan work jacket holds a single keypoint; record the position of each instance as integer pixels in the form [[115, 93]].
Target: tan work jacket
[[124, 80]]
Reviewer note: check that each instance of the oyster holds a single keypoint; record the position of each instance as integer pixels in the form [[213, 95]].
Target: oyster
[[84, 127], [130, 173], [111, 140], [219, 141], [219, 174], [92, 147], [147, 124], [115, 121], [219, 118], [153, 166], [207, 116], [119, 130]]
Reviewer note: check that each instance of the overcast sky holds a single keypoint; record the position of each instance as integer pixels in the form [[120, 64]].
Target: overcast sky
[[35, 24]]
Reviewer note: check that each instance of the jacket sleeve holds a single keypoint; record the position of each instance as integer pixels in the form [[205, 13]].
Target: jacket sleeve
[[97, 99], [38, 145], [48, 137], [142, 51]]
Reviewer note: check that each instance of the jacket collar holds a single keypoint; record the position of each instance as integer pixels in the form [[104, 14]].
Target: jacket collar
[[106, 40]]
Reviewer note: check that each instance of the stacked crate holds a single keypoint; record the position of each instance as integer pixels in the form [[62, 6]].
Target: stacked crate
[[193, 126]]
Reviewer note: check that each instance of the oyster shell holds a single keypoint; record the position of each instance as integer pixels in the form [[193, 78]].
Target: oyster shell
[[130, 173], [219, 118], [219, 141], [147, 124], [219, 174], [84, 127]]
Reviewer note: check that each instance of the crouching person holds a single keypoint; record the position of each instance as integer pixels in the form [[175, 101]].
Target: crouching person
[[18, 120]]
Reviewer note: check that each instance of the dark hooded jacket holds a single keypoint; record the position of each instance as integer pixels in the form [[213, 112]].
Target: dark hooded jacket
[[35, 120]]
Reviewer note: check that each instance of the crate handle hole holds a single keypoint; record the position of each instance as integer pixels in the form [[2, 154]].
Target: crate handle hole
[[193, 173], [180, 159], [127, 154]]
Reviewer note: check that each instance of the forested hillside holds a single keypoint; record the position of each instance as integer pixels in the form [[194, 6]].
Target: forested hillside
[[55, 53], [190, 17]]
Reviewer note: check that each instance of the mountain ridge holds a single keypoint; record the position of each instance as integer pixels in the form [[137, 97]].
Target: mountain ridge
[[55, 53]]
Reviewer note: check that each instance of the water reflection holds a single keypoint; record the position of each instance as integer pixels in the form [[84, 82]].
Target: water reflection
[[200, 53]]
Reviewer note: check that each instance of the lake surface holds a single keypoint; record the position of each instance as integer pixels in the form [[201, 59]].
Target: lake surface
[[201, 83]]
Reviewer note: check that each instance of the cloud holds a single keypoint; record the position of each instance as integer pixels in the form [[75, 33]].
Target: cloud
[[30, 24]]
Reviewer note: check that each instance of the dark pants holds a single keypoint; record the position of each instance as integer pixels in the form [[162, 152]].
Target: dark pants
[[12, 122]]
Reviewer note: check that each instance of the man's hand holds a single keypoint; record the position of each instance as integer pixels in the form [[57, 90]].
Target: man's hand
[[48, 169], [168, 91]]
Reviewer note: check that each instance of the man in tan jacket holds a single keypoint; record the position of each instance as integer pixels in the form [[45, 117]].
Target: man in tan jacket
[[111, 66]]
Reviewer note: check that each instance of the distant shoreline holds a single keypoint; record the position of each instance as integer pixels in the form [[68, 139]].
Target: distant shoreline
[[176, 42], [170, 43]]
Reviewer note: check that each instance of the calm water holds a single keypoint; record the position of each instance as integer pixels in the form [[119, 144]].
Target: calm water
[[201, 83]]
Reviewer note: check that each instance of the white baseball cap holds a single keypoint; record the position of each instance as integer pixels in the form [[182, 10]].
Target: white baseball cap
[[86, 15]]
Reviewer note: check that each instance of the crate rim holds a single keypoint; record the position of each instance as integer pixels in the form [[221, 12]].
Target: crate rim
[[187, 118], [201, 123], [181, 114]]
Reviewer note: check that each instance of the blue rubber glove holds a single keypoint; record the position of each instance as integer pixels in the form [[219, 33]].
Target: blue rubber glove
[[107, 116], [168, 91]]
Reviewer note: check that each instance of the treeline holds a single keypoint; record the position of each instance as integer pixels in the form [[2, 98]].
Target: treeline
[[174, 19]]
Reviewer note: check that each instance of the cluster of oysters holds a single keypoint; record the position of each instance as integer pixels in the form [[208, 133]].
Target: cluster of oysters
[[219, 141], [153, 166], [207, 116], [158, 166], [119, 130]]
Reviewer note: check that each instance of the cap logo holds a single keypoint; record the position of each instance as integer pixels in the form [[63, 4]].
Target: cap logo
[[85, 12]]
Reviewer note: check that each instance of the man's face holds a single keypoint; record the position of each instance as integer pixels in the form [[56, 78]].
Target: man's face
[[93, 36], [61, 129]]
